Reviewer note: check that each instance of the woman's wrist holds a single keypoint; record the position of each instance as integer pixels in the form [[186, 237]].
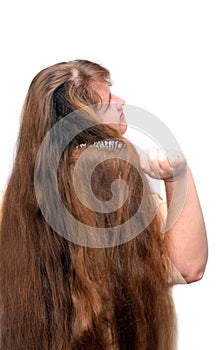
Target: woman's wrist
[[177, 177]]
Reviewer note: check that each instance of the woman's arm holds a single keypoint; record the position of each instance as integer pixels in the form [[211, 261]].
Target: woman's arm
[[185, 236], [186, 239]]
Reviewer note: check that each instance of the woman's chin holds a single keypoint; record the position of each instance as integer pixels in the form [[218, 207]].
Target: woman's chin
[[123, 128]]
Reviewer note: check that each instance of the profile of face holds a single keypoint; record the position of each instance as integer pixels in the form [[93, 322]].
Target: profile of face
[[110, 110]]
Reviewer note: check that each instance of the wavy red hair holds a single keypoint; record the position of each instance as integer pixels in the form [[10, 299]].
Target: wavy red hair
[[54, 293]]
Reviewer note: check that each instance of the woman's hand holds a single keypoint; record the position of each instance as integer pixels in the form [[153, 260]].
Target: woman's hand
[[185, 237], [168, 167]]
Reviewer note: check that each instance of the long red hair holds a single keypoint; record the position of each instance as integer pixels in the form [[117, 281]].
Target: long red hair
[[54, 292]]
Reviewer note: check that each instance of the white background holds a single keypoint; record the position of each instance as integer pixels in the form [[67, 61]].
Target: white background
[[164, 56]]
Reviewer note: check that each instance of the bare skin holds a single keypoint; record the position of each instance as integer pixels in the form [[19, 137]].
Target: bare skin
[[186, 233], [111, 109]]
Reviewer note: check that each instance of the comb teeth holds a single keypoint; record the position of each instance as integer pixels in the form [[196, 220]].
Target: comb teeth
[[82, 145], [110, 145]]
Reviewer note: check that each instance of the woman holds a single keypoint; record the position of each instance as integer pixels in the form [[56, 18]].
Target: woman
[[57, 293]]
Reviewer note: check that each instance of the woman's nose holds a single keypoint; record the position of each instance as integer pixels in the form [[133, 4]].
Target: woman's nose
[[117, 100]]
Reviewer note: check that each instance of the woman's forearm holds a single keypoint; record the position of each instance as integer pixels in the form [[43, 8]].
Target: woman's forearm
[[185, 238]]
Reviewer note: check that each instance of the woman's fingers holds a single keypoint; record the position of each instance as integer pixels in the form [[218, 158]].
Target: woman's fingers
[[163, 166]]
